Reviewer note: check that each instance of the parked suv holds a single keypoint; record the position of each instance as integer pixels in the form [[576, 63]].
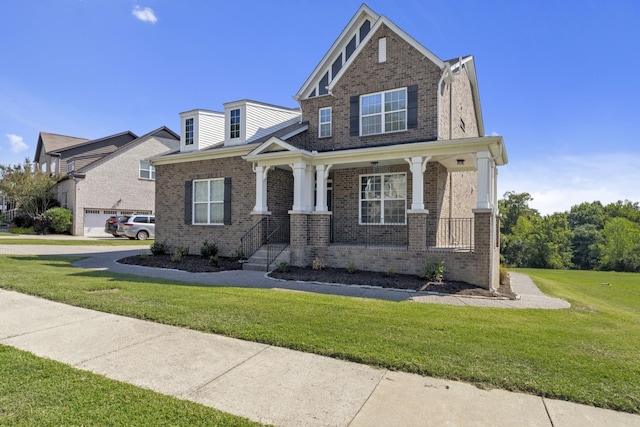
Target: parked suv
[[141, 227], [113, 225]]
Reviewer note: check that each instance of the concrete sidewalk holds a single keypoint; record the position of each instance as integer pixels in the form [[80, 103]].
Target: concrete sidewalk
[[269, 384]]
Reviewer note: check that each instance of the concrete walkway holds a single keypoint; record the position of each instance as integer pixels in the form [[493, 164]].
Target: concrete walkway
[[264, 383]]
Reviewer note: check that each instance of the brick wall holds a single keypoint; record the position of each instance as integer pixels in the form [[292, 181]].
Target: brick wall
[[405, 66], [463, 109], [170, 209]]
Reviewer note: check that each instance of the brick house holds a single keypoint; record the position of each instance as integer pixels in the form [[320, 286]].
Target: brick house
[[384, 165], [105, 176]]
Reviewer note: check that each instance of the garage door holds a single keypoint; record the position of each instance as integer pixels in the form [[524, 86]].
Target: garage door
[[94, 220]]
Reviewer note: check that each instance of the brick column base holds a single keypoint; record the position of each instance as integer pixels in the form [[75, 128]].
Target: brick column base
[[484, 248], [320, 229], [417, 229], [299, 238]]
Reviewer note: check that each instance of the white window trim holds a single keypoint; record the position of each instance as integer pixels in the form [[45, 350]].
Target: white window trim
[[189, 137], [151, 170], [329, 123], [381, 199], [208, 202], [71, 166], [382, 112], [231, 124]]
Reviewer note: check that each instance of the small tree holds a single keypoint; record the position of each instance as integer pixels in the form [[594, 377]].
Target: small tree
[[27, 187]]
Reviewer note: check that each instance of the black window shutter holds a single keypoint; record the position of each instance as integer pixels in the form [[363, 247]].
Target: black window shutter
[[188, 202], [354, 116], [412, 107], [227, 201]]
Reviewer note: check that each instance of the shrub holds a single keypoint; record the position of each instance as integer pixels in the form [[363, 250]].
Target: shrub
[[317, 264], [433, 271], [237, 255], [176, 257], [23, 221], [158, 248], [59, 219], [41, 224], [352, 267], [283, 267], [182, 250], [390, 272], [214, 261], [208, 250], [22, 230]]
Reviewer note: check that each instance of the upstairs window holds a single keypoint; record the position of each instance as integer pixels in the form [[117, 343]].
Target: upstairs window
[[71, 166], [147, 170], [234, 124], [188, 131], [383, 199], [324, 125], [383, 112]]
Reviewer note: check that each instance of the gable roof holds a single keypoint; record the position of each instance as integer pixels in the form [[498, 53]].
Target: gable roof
[[52, 142], [352, 30], [161, 132]]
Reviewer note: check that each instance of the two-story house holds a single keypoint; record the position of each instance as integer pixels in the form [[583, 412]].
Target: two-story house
[[105, 176], [385, 165]]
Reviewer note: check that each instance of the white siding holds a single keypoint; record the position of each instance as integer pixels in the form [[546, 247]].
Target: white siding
[[209, 130], [263, 120]]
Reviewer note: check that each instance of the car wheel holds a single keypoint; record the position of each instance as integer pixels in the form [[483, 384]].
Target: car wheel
[[142, 235]]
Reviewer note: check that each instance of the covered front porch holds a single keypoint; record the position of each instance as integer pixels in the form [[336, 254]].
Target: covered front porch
[[387, 203]]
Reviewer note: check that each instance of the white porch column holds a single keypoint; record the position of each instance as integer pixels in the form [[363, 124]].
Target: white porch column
[[418, 167], [261, 189], [299, 186], [486, 178], [309, 190], [322, 173]]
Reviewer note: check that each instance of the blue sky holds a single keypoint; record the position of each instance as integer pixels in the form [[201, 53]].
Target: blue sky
[[557, 78]]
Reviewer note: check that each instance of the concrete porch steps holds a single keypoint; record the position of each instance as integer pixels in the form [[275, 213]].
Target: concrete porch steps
[[258, 261]]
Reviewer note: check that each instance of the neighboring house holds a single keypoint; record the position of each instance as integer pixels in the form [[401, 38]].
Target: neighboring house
[[104, 177], [385, 165]]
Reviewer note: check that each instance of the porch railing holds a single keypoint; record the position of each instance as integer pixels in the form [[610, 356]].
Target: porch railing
[[254, 238], [348, 231], [278, 240], [455, 233]]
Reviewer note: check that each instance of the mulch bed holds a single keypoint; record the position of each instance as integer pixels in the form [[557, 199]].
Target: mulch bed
[[198, 264]]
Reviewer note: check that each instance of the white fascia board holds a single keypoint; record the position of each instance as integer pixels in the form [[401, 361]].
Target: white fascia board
[[206, 154], [270, 142], [494, 144], [469, 63], [199, 111], [393, 27], [363, 12]]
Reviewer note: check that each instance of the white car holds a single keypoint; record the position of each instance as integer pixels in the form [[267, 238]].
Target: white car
[[141, 227]]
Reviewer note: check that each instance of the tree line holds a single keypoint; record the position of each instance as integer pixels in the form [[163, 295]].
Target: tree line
[[590, 236]]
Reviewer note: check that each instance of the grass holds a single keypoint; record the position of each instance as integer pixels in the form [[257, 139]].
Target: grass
[[586, 354], [70, 242], [37, 391]]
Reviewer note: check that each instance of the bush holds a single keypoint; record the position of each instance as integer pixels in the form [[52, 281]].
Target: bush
[[176, 257], [22, 230], [433, 271], [23, 221], [182, 250], [317, 264], [352, 267], [283, 267], [390, 272], [208, 250], [214, 261], [158, 248], [237, 255], [59, 219], [41, 224]]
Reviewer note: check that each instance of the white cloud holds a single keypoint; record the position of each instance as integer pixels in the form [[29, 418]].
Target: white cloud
[[557, 183], [17, 143], [144, 14]]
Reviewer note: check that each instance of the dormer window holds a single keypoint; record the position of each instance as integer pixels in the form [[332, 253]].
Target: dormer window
[[188, 131], [234, 123], [71, 166]]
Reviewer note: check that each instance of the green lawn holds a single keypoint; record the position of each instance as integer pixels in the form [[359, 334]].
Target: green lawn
[[71, 242], [41, 392], [586, 354]]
